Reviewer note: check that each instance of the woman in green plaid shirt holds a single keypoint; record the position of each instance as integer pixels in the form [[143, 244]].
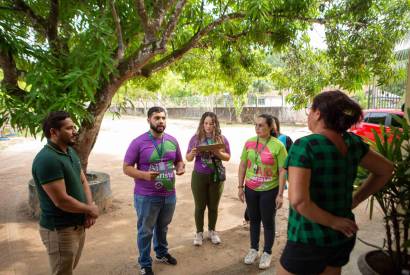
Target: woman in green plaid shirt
[[321, 170]]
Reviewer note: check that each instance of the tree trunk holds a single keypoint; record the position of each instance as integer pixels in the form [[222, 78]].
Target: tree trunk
[[405, 241], [89, 130]]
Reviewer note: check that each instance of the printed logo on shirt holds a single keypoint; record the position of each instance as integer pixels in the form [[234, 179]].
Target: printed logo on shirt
[[166, 177]]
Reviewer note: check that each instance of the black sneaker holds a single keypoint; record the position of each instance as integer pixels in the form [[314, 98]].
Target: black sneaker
[[146, 271], [167, 259]]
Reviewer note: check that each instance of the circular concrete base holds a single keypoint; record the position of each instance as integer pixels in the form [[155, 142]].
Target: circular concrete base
[[100, 188], [375, 262]]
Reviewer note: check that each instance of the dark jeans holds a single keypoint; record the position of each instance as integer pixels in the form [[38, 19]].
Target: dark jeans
[[261, 207]]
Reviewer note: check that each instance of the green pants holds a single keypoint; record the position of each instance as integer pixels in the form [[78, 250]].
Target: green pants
[[206, 194]]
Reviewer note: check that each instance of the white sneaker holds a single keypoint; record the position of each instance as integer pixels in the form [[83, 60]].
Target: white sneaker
[[214, 237], [251, 257], [199, 237], [265, 260]]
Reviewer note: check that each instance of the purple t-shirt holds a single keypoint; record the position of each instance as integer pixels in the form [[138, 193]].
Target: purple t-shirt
[[203, 161], [143, 153]]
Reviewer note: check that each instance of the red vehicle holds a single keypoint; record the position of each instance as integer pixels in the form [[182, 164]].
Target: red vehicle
[[372, 119]]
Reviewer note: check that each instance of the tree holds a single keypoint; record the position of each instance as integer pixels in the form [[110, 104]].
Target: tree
[[225, 70], [137, 91], [305, 71], [75, 55]]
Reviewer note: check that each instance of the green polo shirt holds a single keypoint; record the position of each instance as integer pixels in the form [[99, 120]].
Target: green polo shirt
[[331, 184], [49, 165]]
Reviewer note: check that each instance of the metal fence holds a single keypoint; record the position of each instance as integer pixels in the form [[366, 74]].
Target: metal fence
[[380, 99]]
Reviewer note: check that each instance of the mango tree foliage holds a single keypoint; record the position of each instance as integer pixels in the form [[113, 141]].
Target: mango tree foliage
[[75, 55], [230, 70], [305, 71]]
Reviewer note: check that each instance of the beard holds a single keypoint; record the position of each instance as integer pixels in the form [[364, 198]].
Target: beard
[[71, 141], [157, 129]]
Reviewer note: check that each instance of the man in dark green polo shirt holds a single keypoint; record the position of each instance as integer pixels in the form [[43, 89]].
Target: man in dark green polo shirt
[[65, 197]]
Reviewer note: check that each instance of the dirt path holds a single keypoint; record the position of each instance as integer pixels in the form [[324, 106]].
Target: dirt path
[[110, 246], [111, 243]]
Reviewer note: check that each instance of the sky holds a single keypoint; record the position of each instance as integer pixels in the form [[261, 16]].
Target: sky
[[317, 36], [318, 39]]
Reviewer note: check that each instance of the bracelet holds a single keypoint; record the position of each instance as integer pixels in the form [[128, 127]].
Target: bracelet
[[240, 186]]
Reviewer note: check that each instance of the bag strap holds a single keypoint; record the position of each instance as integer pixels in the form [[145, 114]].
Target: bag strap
[[213, 158], [215, 168]]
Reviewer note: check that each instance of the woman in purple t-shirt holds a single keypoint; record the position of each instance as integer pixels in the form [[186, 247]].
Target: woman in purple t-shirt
[[205, 184]]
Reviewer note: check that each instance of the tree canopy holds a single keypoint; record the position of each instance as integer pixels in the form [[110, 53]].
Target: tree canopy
[[75, 55]]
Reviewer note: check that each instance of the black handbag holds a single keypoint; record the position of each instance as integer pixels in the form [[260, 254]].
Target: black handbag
[[220, 172], [219, 169]]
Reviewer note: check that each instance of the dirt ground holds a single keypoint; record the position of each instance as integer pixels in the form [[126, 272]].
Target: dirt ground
[[111, 244]]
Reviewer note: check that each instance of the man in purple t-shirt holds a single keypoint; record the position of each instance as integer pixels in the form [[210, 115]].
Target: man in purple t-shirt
[[151, 160]]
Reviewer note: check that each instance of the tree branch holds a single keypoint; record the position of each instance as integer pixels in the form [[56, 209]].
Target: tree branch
[[177, 54], [160, 8], [120, 50], [321, 21], [146, 25], [52, 26], [8, 8], [11, 73], [47, 27], [38, 22], [172, 22]]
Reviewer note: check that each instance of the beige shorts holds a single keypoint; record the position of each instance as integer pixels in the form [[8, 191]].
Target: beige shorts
[[64, 247]]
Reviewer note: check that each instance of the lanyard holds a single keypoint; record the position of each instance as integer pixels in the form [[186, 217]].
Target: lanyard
[[263, 148], [161, 150]]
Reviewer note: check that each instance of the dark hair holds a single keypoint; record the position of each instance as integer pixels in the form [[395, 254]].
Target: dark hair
[[338, 111], [53, 121], [269, 121], [200, 132], [155, 109], [277, 125]]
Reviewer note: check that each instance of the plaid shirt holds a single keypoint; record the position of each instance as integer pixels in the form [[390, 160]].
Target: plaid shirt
[[331, 184]]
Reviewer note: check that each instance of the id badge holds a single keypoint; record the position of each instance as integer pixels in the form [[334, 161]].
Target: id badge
[[255, 168], [154, 167], [162, 166]]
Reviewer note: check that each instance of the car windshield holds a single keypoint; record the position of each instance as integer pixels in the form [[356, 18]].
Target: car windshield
[[394, 121], [377, 118]]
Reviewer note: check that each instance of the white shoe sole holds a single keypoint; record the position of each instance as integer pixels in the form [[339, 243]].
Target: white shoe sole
[[215, 242]]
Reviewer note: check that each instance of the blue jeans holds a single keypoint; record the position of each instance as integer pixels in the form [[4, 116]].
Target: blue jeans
[[154, 213]]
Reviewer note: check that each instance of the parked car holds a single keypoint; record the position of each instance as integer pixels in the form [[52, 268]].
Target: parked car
[[373, 118]]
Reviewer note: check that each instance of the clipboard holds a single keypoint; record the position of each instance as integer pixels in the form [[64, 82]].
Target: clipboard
[[210, 147]]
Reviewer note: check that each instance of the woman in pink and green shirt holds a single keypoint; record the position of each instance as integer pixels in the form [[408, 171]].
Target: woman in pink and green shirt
[[261, 182]]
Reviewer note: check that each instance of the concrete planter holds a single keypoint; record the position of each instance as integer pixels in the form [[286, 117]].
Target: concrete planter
[[375, 262], [100, 188]]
